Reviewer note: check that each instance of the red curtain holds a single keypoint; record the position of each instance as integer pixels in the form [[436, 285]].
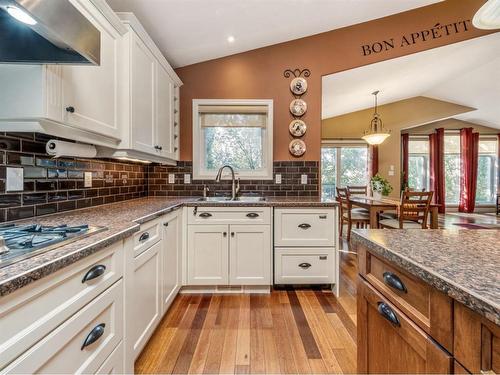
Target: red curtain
[[469, 143], [405, 139], [373, 165], [436, 146]]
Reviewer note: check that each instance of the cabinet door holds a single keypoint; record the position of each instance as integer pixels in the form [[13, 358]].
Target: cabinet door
[[92, 91], [143, 77], [476, 342], [396, 347], [170, 261], [250, 255], [145, 296], [208, 255], [165, 112]]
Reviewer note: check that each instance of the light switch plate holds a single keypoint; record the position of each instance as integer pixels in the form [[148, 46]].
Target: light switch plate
[[303, 179], [278, 179], [171, 178], [187, 178], [14, 179], [87, 182]]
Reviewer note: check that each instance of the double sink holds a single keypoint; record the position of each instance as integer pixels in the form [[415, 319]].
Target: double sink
[[243, 199]]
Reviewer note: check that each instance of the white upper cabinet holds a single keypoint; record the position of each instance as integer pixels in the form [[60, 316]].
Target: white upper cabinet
[[90, 93], [79, 102], [142, 96], [149, 94]]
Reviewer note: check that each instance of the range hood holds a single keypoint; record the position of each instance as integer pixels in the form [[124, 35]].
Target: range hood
[[46, 32]]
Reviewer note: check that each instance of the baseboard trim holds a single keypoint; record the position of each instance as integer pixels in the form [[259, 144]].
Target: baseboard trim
[[225, 289]]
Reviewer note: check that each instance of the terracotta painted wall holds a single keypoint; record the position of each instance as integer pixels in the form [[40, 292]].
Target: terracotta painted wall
[[259, 73]]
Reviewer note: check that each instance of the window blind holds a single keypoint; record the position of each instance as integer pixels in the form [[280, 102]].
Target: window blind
[[236, 116]]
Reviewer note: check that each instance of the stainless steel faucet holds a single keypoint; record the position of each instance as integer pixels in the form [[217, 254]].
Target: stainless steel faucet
[[235, 187]]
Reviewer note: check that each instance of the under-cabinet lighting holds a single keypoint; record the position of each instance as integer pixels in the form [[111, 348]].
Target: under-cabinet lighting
[[20, 15]]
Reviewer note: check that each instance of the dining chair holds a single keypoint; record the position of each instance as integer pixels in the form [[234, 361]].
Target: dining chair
[[413, 211], [357, 190], [350, 215]]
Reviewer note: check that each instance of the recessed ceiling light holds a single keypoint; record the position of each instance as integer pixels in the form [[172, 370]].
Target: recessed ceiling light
[[21, 15], [230, 39]]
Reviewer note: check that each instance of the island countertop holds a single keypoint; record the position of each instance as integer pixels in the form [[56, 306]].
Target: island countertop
[[121, 220], [464, 264]]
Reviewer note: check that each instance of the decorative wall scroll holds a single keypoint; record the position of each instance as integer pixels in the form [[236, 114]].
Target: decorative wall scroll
[[298, 107]]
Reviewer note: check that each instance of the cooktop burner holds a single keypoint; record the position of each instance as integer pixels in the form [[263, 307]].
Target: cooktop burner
[[18, 242]]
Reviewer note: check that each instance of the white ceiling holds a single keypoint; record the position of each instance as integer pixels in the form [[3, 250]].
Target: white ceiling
[[466, 73], [191, 31]]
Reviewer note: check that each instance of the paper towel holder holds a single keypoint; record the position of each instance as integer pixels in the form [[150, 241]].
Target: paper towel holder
[[57, 148]]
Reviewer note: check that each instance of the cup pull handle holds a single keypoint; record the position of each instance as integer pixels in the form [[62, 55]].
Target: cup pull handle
[[94, 335], [94, 272], [305, 265], [205, 215], [252, 215], [144, 236], [304, 226], [394, 282], [385, 310]]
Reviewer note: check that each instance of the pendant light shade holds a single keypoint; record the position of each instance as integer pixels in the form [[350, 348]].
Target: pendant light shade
[[376, 134], [488, 16]]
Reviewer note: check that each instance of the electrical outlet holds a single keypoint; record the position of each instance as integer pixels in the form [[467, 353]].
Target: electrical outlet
[[391, 173], [171, 178], [278, 179], [303, 179], [87, 179], [14, 179], [187, 178]]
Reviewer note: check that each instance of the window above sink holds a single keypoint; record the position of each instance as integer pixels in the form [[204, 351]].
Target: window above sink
[[234, 132]]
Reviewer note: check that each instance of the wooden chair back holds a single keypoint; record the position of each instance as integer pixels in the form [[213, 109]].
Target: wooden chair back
[[345, 205], [415, 207], [357, 190]]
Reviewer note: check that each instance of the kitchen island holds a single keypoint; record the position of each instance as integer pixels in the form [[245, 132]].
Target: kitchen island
[[432, 297]]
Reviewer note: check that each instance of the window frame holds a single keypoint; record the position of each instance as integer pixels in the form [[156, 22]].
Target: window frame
[[495, 168], [199, 171], [339, 145], [425, 156]]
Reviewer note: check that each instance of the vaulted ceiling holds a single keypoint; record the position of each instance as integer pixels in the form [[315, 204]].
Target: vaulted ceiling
[[191, 31], [464, 73]]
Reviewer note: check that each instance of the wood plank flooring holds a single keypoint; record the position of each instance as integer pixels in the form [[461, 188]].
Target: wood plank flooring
[[301, 331]]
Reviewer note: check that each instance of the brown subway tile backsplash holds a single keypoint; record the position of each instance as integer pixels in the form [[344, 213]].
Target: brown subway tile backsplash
[[290, 171], [55, 185]]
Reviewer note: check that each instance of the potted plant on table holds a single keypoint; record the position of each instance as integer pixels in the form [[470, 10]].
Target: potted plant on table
[[380, 186]]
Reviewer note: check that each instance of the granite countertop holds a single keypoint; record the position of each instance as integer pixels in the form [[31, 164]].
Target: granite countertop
[[121, 220], [464, 264]]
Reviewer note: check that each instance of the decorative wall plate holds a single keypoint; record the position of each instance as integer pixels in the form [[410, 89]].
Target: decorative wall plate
[[298, 85], [298, 107], [297, 147], [297, 128]]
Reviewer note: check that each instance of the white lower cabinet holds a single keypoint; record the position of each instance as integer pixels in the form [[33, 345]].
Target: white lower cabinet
[[249, 255], [225, 247], [145, 296], [208, 255], [82, 343], [171, 259]]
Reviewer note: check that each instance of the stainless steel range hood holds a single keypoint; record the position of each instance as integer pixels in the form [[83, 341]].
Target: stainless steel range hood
[[55, 33]]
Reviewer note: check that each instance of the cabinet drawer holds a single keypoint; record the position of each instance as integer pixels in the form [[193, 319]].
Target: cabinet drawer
[[477, 341], [304, 266], [229, 215], [82, 343], [114, 363], [149, 234], [425, 305], [304, 227], [389, 342], [29, 314]]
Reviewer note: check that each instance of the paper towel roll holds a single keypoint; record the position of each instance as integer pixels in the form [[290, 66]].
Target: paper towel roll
[[60, 148]]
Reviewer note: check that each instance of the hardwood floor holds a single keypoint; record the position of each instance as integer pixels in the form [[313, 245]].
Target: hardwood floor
[[287, 331]]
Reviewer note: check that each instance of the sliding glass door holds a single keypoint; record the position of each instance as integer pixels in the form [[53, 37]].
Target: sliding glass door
[[343, 166]]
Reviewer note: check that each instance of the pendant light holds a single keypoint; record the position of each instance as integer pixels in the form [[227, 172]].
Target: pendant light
[[488, 16], [376, 134]]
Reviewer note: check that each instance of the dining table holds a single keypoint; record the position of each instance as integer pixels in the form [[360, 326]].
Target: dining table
[[375, 206]]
